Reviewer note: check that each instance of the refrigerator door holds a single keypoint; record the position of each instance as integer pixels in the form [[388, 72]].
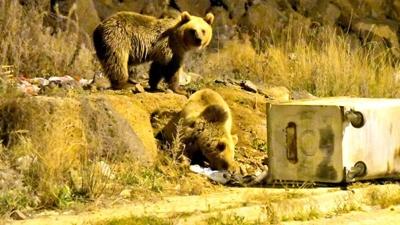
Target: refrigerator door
[[305, 143]]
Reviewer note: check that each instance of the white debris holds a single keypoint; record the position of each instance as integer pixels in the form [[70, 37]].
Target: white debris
[[215, 175], [24, 163], [85, 82], [105, 170], [28, 88], [40, 81], [184, 78], [61, 79]]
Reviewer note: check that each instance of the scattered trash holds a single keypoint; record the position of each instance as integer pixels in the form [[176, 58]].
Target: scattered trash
[[63, 79], [85, 82], [226, 178], [33, 86], [105, 170], [28, 88], [215, 175], [24, 163]]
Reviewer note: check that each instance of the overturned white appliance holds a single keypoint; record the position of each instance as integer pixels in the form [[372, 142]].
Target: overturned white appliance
[[334, 140]]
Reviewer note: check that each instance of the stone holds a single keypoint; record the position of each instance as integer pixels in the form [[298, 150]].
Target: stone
[[257, 14], [126, 193], [331, 14], [378, 30], [220, 81], [301, 95], [236, 9], [184, 78], [395, 12], [194, 7], [137, 88], [249, 86], [279, 93], [106, 8], [87, 15], [18, 215]]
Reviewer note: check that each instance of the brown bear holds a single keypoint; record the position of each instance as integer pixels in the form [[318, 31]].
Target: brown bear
[[205, 128], [128, 38]]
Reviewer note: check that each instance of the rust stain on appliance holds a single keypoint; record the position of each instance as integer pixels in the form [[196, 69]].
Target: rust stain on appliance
[[325, 169]]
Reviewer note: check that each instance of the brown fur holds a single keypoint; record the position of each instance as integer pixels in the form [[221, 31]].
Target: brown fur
[[206, 126], [128, 38]]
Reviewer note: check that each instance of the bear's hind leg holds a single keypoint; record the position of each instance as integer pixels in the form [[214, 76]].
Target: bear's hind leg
[[155, 75], [116, 68]]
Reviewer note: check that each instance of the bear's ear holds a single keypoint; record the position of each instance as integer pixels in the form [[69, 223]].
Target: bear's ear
[[215, 114], [235, 139], [185, 17], [209, 18]]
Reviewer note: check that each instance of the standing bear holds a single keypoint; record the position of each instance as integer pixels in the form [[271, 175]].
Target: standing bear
[[126, 39], [204, 127]]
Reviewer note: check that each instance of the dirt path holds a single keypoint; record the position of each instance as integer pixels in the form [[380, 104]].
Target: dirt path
[[371, 216], [252, 204], [176, 206]]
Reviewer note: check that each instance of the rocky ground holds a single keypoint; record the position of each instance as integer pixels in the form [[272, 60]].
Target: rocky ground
[[365, 21]]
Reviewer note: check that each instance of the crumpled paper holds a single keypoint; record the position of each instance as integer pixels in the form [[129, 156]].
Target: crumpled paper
[[216, 175]]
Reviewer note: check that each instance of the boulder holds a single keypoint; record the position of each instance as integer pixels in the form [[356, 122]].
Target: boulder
[[395, 10], [236, 9], [71, 128], [223, 27], [262, 18], [87, 15], [278, 93], [156, 8], [326, 13], [378, 30], [106, 8], [194, 7]]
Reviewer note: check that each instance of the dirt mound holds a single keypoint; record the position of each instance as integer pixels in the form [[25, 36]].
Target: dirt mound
[[69, 127]]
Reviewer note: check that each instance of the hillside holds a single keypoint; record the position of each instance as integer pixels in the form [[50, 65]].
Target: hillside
[[67, 148]]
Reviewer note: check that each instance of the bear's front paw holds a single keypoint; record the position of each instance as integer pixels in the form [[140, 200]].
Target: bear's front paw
[[153, 90], [179, 90]]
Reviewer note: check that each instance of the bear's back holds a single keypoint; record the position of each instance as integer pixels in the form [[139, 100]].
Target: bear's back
[[200, 100]]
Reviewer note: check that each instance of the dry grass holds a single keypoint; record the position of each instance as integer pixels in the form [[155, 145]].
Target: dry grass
[[35, 50], [320, 60], [134, 220], [383, 197]]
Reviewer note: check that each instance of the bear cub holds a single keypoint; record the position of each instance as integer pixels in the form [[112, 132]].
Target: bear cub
[[205, 129], [126, 39]]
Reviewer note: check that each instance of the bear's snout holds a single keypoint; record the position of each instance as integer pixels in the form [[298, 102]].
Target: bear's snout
[[196, 37]]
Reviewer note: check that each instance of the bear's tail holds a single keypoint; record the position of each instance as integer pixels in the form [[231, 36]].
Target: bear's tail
[[215, 114]]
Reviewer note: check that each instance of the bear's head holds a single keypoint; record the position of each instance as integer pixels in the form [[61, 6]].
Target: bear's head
[[195, 32], [211, 137]]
